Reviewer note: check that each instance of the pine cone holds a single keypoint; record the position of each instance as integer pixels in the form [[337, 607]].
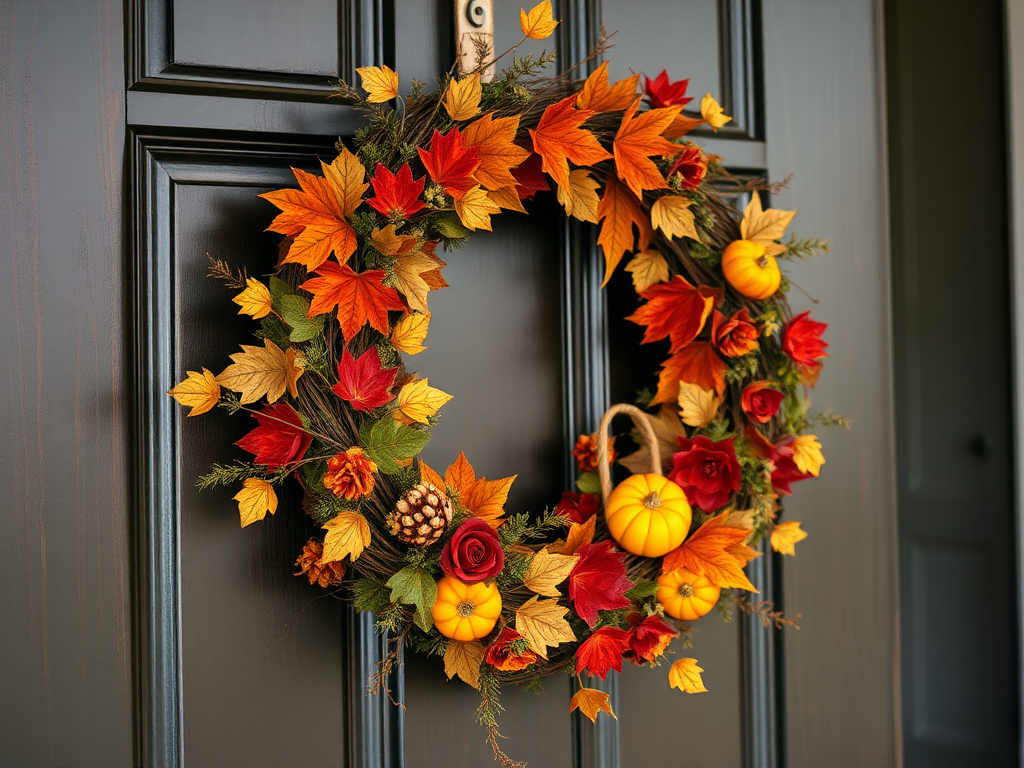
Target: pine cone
[[324, 574], [421, 516]]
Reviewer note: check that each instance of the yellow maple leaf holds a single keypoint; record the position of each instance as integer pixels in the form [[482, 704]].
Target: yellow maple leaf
[[579, 196], [462, 99], [410, 332], [475, 209], [598, 96], [256, 498], [464, 659], [685, 675], [409, 271], [712, 113], [765, 226], [590, 701], [542, 625], [348, 177], [254, 300], [648, 268], [785, 536], [199, 391], [672, 215], [266, 370], [380, 82], [547, 571], [418, 401], [808, 455], [697, 405], [538, 23], [348, 533], [507, 198]]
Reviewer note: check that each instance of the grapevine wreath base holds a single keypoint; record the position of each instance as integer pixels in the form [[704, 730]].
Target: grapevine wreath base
[[609, 574]]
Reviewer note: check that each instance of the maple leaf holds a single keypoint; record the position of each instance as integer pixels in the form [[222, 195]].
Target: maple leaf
[[497, 151], [410, 281], [507, 198], [199, 391], [280, 437], [597, 96], [579, 196], [712, 113], [637, 140], [462, 99], [389, 243], [475, 209], [765, 226], [380, 82], [667, 427], [685, 675], [362, 382], [360, 298], [672, 215], [785, 536], [259, 371], [542, 624], [256, 498], [706, 554], [590, 702], [348, 533], [602, 651], [530, 178], [619, 212], [348, 178], [677, 310], [547, 571], [410, 332], [538, 23], [396, 195], [481, 497], [418, 401], [648, 268], [598, 581], [464, 660], [696, 364], [450, 163], [579, 535], [255, 300], [558, 138], [661, 92], [698, 405], [428, 475]]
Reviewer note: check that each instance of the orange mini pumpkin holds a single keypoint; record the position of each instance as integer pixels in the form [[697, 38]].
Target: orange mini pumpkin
[[685, 595], [465, 611], [750, 270], [648, 515]]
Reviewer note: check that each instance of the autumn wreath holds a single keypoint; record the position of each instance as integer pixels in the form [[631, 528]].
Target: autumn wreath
[[609, 574]]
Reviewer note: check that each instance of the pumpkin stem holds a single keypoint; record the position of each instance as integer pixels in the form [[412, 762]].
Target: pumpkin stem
[[652, 500], [686, 590], [465, 609], [762, 261]]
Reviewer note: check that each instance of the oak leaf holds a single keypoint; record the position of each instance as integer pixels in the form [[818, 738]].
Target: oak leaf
[[590, 702], [475, 209], [697, 405], [648, 268], [538, 24], [259, 371], [255, 300], [464, 660], [558, 138], [579, 196], [696, 364], [712, 113], [596, 94], [637, 140], [481, 497], [199, 391], [785, 536], [619, 212], [418, 401], [450, 163], [706, 554], [256, 498], [542, 624], [410, 332], [685, 675], [348, 533], [494, 139], [360, 297], [676, 310], [547, 571], [462, 99], [765, 226], [380, 82], [672, 215]]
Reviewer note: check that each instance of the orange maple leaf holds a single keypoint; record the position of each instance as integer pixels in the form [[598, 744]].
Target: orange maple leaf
[[599, 97], [638, 139], [706, 553], [558, 138], [618, 212], [361, 297], [697, 364], [481, 497], [496, 150], [678, 309]]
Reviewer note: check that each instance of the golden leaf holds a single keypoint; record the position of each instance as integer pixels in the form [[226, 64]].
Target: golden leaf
[[785, 536], [199, 391], [740, 518], [807, 454], [709, 551], [409, 271], [475, 209], [764, 226], [685, 675], [579, 197], [390, 244], [507, 198], [547, 571], [538, 23], [590, 701], [256, 498], [464, 660], [348, 177], [497, 151], [598, 96], [410, 332], [462, 99], [380, 82], [637, 141], [481, 497], [418, 401], [580, 534], [712, 113], [620, 212], [667, 427], [254, 300], [672, 215], [542, 624], [648, 268], [348, 533], [266, 370], [698, 405]]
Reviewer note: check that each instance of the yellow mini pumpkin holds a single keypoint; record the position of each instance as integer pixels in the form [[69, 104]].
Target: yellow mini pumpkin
[[648, 515], [750, 271], [685, 595], [465, 611]]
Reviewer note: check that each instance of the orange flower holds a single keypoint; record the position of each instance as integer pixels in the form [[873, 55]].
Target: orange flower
[[585, 452], [506, 653], [318, 572], [350, 474], [734, 336]]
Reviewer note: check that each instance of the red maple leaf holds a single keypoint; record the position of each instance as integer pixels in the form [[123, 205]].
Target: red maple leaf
[[531, 178], [677, 309], [397, 196], [450, 163], [602, 651], [598, 581], [663, 93], [280, 437], [361, 297], [362, 382], [647, 639], [696, 364]]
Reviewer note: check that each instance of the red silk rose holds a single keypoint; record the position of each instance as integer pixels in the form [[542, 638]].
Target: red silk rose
[[707, 471], [578, 507], [473, 553], [734, 336], [801, 340], [602, 651], [647, 639], [663, 93], [501, 654], [691, 166], [761, 401]]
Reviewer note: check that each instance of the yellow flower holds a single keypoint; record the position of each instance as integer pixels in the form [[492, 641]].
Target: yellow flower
[[807, 454], [712, 112]]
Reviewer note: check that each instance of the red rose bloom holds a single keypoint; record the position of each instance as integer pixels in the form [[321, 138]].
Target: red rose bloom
[[691, 166], [734, 336], [503, 655], [663, 93], [648, 639], [602, 651], [801, 340], [761, 401], [578, 507], [708, 472], [473, 553]]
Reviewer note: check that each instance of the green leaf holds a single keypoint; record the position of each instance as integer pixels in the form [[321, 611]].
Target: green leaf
[[278, 288], [643, 589], [588, 482], [387, 442], [293, 310], [448, 225], [371, 595], [414, 586]]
